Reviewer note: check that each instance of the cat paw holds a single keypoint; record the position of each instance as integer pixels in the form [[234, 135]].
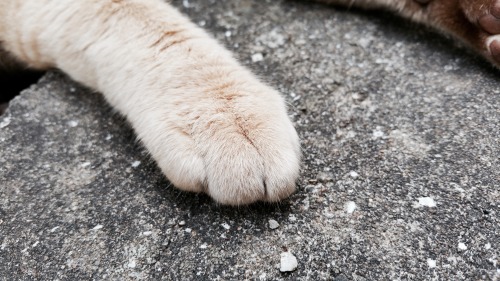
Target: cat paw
[[238, 148], [485, 16], [476, 22], [489, 20]]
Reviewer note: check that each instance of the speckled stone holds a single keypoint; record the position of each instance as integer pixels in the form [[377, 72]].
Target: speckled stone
[[388, 113]]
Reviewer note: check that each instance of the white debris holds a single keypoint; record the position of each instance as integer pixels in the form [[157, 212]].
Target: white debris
[[462, 246], [273, 39], [328, 215], [188, 230], [228, 33], [182, 223], [203, 246], [136, 164], [85, 164], [487, 246], [54, 229], [5, 122], [350, 207], [431, 263], [35, 244], [273, 224], [97, 227], [73, 123], [147, 233], [378, 134], [353, 174], [257, 57], [131, 264], [288, 262], [226, 226], [426, 201], [292, 218], [185, 3]]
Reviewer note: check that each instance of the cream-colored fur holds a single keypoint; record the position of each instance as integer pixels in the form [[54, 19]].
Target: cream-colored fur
[[208, 122]]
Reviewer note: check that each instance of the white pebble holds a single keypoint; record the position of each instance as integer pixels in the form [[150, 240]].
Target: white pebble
[[203, 246], [226, 226], [136, 164], [188, 230], [462, 246], [288, 262], [54, 229], [85, 165], [353, 174], [487, 246], [5, 122], [182, 223], [426, 201], [97, 227], [131, 264], [273, 224], [147, 233], [350, 207], [378, 134], [431, 263], [257, 57], [73, 123]]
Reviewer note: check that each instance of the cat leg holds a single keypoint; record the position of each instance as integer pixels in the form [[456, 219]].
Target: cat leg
[[209, 123]]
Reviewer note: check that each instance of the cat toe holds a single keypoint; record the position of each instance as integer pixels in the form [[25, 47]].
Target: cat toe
[[494, 48], [491, 21]]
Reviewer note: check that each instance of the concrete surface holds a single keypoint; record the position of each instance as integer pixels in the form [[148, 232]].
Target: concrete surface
[[400, 180]]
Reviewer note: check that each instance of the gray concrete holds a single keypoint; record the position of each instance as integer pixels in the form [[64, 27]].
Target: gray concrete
[[392, 116]]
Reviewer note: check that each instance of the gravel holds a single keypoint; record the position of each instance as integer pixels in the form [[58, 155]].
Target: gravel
[[400, 178]]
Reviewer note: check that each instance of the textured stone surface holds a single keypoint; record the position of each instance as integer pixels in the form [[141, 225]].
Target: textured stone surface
[[400, 179]]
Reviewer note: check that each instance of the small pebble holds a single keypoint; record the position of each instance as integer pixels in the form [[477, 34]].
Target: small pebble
[[182, 223], [426, 201], [273, 224], [73, 123], [353, 174], [288, 262], [257, 57], [350, 207], [97, 227]]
